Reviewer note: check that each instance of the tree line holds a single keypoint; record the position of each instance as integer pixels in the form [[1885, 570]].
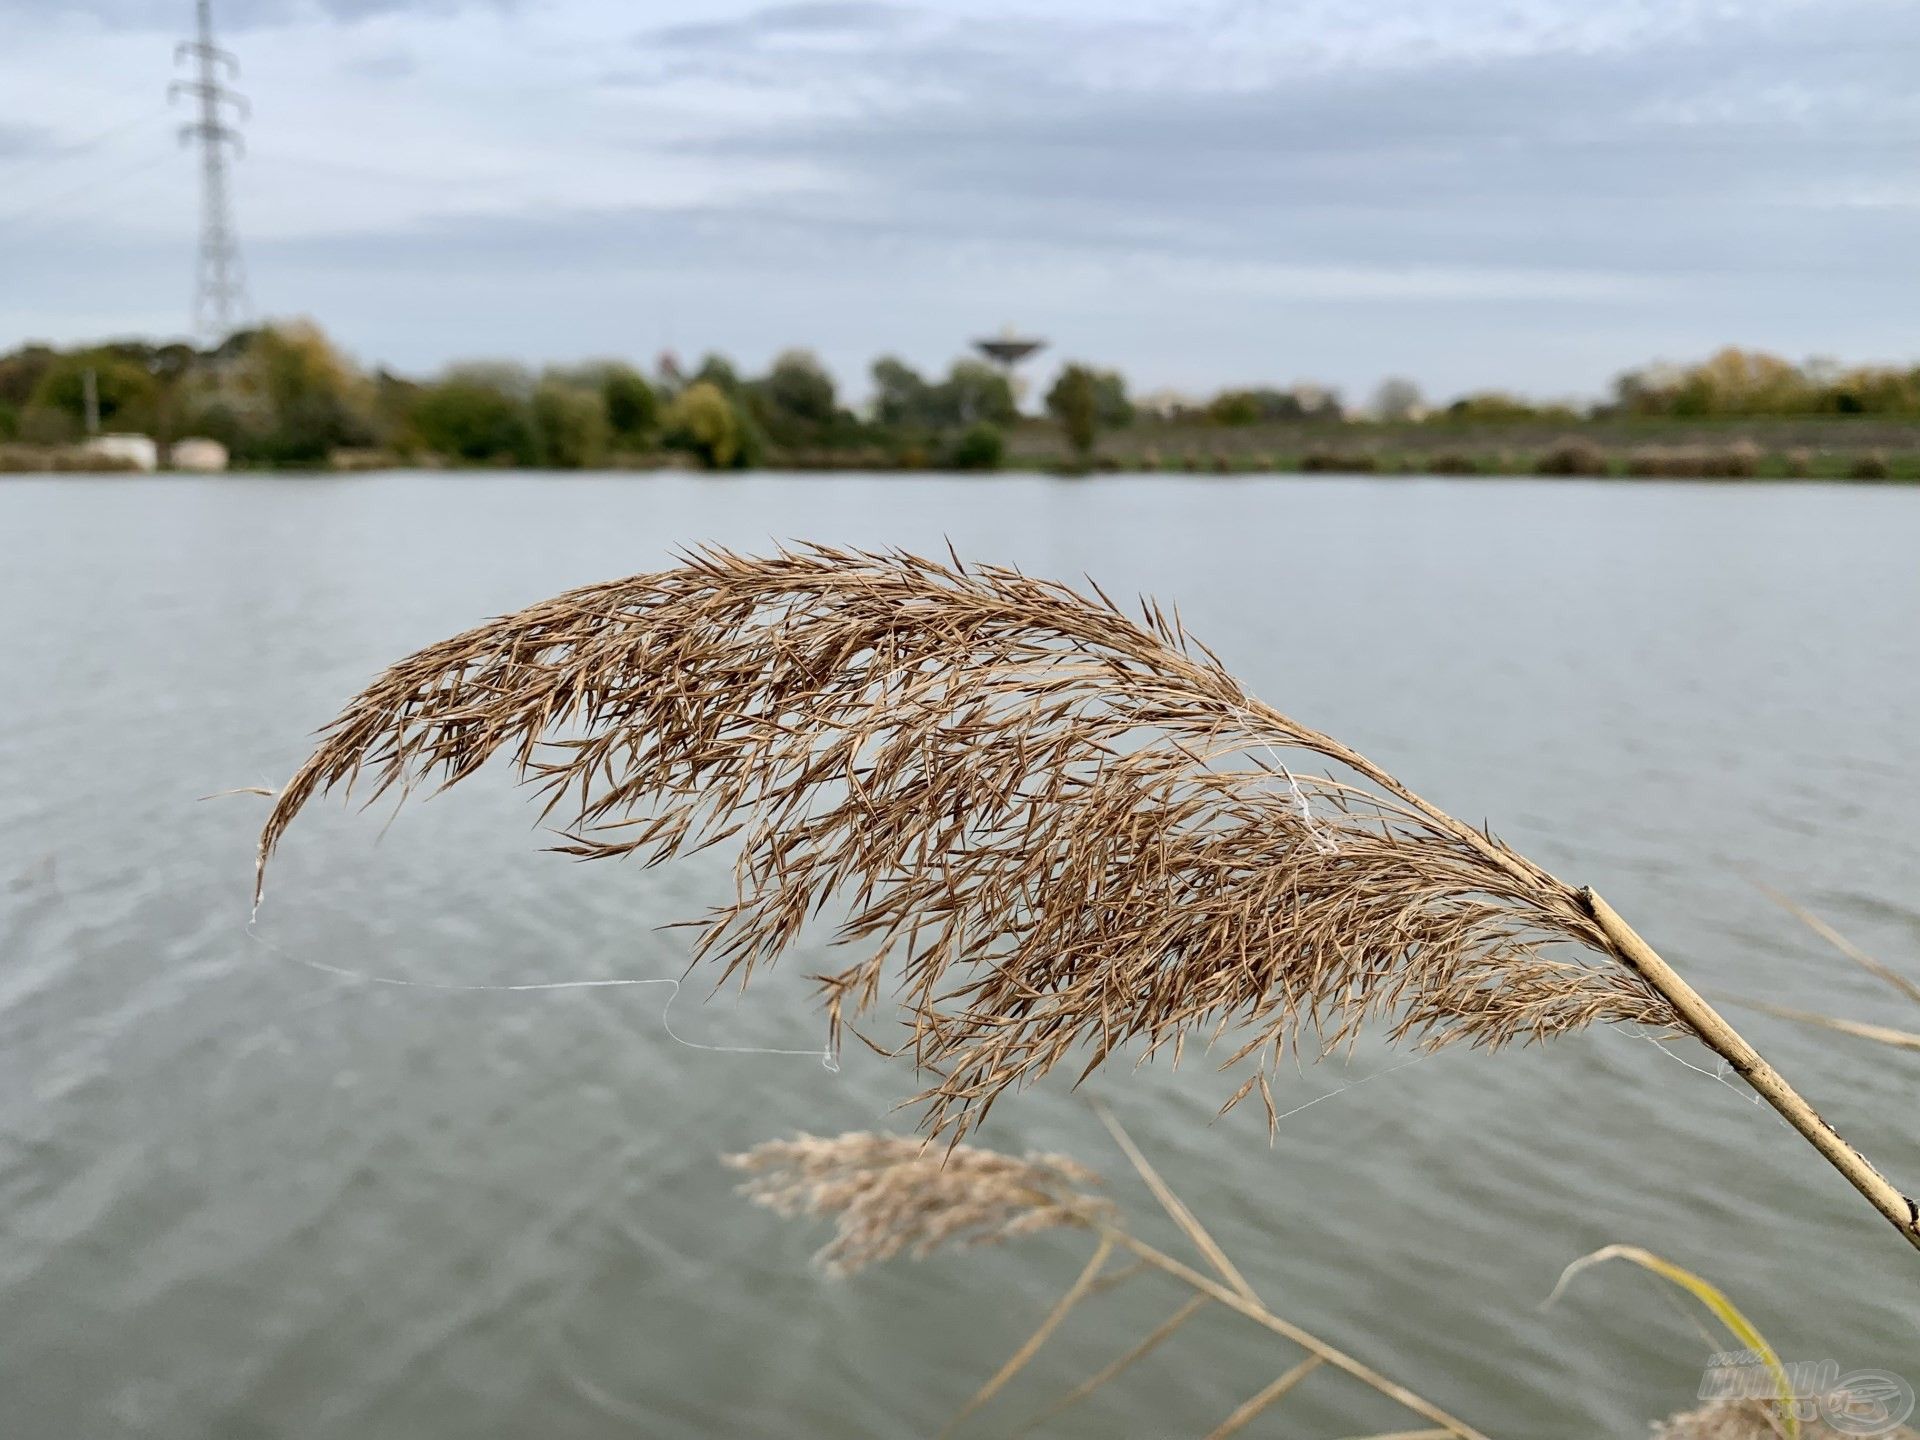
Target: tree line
[[284, 395]]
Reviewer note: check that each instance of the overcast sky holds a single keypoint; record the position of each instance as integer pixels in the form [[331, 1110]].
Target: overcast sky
[[1522, 193]]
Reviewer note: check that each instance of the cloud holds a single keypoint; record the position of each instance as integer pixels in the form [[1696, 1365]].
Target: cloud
[[1576, 158], [807, 18], [831, 16], [392, 64], [230, 16], [20, 141]]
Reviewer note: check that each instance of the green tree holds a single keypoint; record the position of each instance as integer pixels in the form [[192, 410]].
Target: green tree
[[1494, 406], [798, 387], [127, 393], [717, 371], [1111, 405], [1235, 407], [1260, 403], [1748, 382], [1074, 401], [901, 395], [570, 422], [982, 447], [317, 401], [470, 417], [704, 422], [633, 409], [974, 391], [280, 394], [21, 371]]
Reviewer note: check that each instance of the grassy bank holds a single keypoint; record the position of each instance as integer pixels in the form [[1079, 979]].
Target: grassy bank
[[1837, 448], [1833, 448]]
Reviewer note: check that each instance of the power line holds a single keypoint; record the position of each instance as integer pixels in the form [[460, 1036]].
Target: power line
[[220, 284], [130, 211], [53, 208], [40, 161]]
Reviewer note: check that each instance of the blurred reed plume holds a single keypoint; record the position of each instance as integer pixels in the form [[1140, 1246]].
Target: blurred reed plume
[[1073, 829], [888, 1196]]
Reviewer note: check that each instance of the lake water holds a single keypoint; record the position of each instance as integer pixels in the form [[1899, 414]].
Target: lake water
[[241, 1197]]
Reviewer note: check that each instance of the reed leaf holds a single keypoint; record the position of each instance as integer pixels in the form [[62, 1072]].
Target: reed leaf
[[1714, 1299]]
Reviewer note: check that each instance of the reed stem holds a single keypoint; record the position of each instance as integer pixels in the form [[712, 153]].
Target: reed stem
[[1768, 1083], [1306, 1340]]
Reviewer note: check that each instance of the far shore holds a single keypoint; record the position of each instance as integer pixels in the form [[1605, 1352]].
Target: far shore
[[1859, 449]]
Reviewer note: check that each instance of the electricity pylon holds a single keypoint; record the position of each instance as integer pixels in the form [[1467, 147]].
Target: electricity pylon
[[220, 285]]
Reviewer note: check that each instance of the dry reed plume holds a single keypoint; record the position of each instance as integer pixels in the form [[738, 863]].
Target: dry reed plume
[[1073, 830]]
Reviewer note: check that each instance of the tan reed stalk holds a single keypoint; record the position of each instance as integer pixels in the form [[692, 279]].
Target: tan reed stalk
[[1151, 1342], [888, 1196], [1073, 830], [1259, 1314], [1258, 1404], [1018, 1360]]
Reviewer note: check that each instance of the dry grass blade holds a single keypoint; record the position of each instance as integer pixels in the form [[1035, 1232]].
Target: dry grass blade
[[1265, 1399], [1152, 1341], [1306, 1340], [1884, 973], [1018, 1360], [1175, 1207], [1072, 829], [1114, 1279], [1859, 1029]]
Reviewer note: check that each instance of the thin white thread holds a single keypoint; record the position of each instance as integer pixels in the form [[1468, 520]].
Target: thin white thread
[[1325, 844], [1322, 842], [1428, 1055], [1718, 1073], [825, 1055]]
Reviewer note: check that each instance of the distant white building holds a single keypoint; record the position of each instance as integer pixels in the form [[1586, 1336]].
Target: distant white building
[[136, 452], [199, 454]]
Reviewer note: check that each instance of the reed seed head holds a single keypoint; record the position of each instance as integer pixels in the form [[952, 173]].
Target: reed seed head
[[1056, 830]]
